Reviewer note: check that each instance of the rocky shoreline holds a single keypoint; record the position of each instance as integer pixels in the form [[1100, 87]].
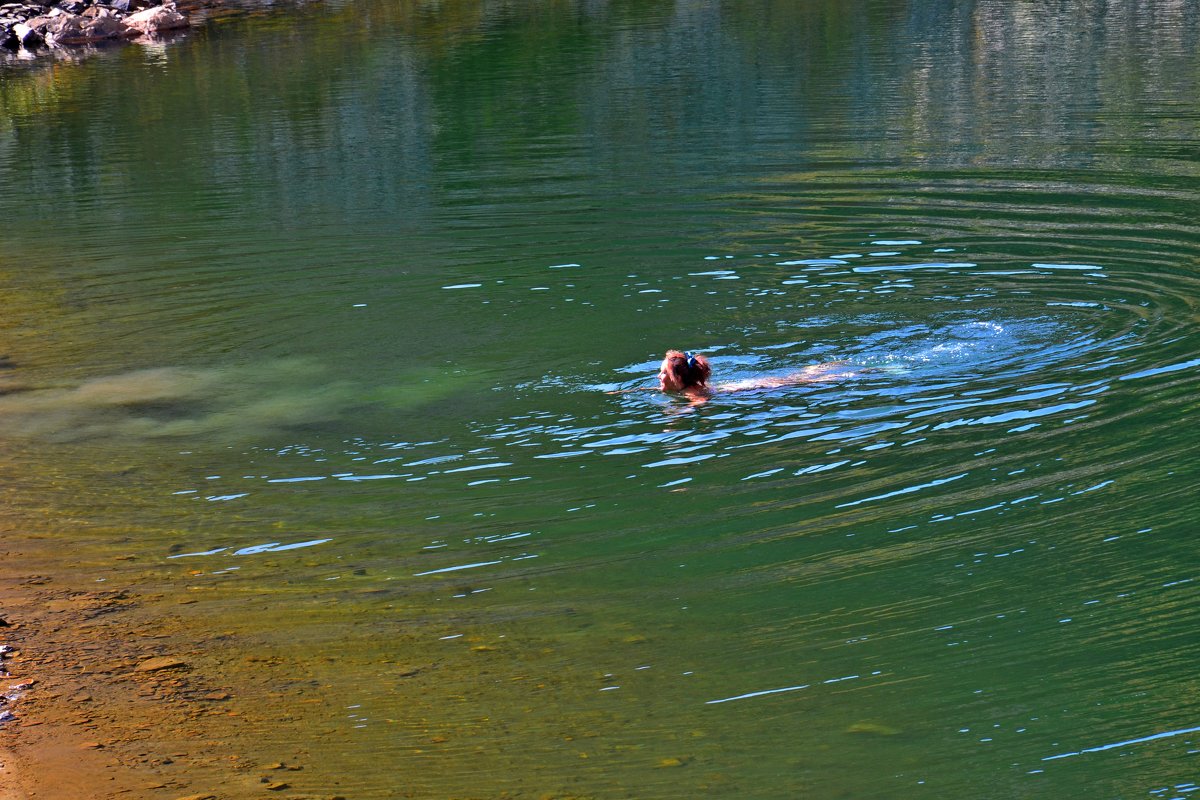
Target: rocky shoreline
[[107, 694], [31, 28]]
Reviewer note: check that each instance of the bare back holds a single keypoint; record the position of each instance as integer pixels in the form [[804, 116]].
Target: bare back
[[831, 371]]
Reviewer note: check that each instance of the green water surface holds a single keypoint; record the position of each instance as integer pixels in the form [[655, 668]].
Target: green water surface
[[313, 312]]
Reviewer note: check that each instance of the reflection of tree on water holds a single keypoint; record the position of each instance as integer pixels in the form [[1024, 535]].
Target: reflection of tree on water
[[701, 91]]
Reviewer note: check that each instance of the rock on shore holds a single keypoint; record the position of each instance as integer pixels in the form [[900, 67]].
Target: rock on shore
[[30, 27]]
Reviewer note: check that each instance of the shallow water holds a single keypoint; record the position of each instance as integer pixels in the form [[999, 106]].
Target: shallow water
[[313, 314]]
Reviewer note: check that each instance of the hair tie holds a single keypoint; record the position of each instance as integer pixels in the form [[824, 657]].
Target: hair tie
[[691, 360]]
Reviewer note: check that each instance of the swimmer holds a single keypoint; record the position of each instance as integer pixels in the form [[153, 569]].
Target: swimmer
[[688, 374]]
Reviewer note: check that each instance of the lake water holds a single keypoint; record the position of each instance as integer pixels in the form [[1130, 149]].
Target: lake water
[[315, 311]]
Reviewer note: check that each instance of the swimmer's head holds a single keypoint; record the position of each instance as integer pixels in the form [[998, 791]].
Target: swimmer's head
[[680, 371]]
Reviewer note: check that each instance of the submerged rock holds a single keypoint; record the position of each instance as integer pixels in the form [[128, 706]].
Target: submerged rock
[[873, 729], [160, 662]]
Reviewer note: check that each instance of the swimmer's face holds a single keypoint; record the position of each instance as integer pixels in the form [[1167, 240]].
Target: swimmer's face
[[668, 381]]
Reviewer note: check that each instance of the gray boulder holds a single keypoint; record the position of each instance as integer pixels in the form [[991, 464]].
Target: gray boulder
[[105, 27], [27, 36], [40, 24], [63, 29], [70, 29], [156, 20]]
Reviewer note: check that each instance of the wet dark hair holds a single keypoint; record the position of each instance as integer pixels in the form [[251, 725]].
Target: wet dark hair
[[691, 369]]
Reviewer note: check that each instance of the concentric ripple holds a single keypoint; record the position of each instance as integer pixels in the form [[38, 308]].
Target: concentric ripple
[[987, 462]]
